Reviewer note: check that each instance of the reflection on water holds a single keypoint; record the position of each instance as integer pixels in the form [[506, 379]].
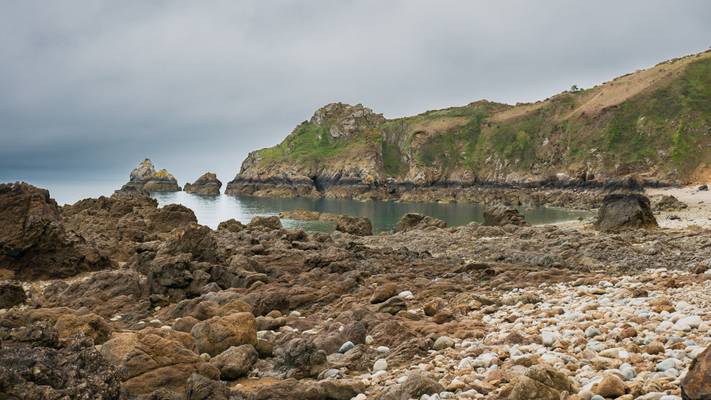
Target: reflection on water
[[384, 215]]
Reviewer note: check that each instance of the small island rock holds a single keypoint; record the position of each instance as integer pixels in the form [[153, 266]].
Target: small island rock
[[206, 185], [145, 177]]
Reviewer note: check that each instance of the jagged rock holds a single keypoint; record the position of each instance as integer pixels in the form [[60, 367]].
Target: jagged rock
[[271, 222], [669, 203], [33, 241], [501, 215], [235, 362], [345, 120], [36, 366], [412, 221], [359, 226], [11, 294], [218, 334], [145, 177], [625, 211], [300, 358], [206, 185], [696, 384]]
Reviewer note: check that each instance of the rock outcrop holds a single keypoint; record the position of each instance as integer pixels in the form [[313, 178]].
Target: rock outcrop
[[145, 177], [621, 211], [501, 215], [33, 241], [359, 226], [412, 221], [206, 185]]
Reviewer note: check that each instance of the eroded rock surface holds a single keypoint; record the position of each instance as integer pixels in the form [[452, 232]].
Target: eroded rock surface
[[145, 177]]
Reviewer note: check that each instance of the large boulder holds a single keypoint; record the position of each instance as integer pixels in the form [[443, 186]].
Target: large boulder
[[33, 241], [696, 384], [145, 177], [625, 211], [217, 334], [669, 203], [412, 221], [416, 385], [268, 222], [501, 215], [155, 358], [359, 226], [206, 185], [235, 362]]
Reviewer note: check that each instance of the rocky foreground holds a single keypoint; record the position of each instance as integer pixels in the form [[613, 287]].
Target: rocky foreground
[[115, 298]]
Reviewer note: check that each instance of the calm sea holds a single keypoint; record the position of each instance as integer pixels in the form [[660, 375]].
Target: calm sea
[[384, 215]]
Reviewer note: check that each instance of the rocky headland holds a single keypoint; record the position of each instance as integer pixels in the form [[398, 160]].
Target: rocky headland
[[207, 185], [145, 177], [650, 127], [116, 298]]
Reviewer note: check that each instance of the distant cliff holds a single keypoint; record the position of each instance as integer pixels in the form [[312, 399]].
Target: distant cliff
[[654, 125]]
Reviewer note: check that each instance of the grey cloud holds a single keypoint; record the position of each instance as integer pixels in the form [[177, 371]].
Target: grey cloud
[[98, 85]]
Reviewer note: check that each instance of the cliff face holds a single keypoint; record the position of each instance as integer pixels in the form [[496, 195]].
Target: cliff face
[[653, 124]]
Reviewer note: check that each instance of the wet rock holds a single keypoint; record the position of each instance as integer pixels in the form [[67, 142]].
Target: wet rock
[[206, 185], [11, 294], [145, 177], [359, 226], [669, 203], [33, 240], [36, 366], [272, 222], [501, 215], [412, 221], [696, 384], [217, 334], [235, 362], [625, 211], [299, 358]]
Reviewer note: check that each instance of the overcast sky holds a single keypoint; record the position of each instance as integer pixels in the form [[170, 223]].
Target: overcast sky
[[92, 87]]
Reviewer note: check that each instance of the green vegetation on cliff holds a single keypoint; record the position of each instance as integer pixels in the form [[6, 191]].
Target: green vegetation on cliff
[[655, 122]]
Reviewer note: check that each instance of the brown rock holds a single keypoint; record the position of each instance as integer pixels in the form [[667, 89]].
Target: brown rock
[[696, 384], [541, 382], [359, 226], [33, 241], [611, 385], [235, 362], [206, 185], [217, 334], [383, 292], [412, 221]]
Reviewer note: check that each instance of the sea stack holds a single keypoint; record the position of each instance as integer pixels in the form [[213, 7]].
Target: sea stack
[[145, 177], [206, 185]]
